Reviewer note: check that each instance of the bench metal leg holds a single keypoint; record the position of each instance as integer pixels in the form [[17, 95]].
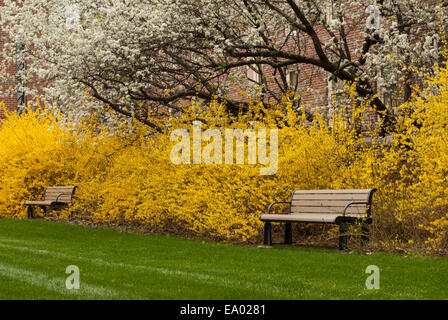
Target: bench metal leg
[[267, 234], [365, 233], [343, 236], [288, 233], [30, 212]]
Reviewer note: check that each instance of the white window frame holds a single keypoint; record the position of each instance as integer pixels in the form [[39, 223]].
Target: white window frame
[[252, 74], [330, 12], [289, 79], [335, 87], [383, 94]]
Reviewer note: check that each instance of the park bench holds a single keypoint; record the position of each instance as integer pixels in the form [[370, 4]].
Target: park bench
[[55, 197], [340, 207]]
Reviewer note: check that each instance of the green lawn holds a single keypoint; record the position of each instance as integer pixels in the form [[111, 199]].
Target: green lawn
[[34, 255]]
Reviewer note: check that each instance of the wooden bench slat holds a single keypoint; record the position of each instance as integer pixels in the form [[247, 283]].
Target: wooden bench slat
[[69, 188], [331, 197], [59, 191], [61, 187], [59, 196], [322, 203], [60, 199], [325, 218], [348, 191], [327, 210], [305, 217], [358, 215], [38, 203], [55, 195], [69, 191]]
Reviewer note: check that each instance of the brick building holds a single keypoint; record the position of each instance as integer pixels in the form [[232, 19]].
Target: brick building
[[10, 101]]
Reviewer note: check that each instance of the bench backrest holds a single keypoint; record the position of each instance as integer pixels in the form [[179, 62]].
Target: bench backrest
[[62, 194], [332, 202]]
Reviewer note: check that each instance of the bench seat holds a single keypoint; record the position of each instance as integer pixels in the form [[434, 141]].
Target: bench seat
[[39, 203], [306, 217]]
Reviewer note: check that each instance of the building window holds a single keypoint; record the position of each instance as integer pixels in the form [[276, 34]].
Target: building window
[[336, 92], [331, 11], [387, 92], [252, 74], [292, 77], [387, 95]]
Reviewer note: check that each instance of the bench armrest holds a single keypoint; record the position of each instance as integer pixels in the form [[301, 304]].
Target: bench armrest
[[352, 203], [274, 203], [62, 194]]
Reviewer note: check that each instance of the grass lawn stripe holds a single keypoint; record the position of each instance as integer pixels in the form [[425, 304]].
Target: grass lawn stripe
[[56, 284]]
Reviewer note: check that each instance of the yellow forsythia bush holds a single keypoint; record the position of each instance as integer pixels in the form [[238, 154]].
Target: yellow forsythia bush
[[126, 176], [36, 151]]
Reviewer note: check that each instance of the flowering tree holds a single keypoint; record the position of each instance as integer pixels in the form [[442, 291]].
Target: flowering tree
[[140, 57]]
